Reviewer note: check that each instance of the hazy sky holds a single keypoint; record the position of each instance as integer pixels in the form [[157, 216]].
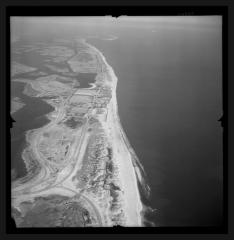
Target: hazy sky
[[20, 25]]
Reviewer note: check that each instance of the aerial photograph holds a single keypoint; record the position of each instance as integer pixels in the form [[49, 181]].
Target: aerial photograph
[[116, 121]]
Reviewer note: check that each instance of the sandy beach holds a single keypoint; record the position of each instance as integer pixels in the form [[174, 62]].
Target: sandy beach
[[133, 205]]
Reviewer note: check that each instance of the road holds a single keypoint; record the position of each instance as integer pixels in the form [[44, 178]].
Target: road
[[45, 174]]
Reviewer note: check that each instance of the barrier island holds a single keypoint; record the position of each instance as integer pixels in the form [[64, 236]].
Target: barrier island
[[81, 169]]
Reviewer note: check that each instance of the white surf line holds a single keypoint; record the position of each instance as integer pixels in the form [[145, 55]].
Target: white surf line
[[133, 205]]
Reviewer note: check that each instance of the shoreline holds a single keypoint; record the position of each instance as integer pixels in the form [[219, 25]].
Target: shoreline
[[129, 148]]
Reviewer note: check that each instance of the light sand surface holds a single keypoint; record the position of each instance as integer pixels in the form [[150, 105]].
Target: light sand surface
[[133, 205]]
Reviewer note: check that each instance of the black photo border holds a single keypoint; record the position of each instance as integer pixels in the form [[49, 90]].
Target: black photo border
[[66, 9]]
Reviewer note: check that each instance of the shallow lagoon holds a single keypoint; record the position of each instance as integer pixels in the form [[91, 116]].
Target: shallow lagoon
[[31, 116]]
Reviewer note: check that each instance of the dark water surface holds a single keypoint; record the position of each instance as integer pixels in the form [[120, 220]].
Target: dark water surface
[[31, 116], [85, 79], [169, 98]]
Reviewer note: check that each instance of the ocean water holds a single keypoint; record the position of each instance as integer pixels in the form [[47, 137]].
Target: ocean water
[[170, 99]]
